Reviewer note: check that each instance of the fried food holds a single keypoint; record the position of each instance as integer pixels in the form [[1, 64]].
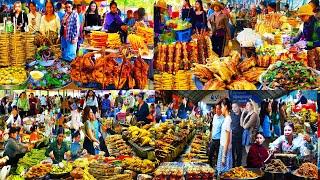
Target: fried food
[[82, 68], [241, 85], [38, 170], [248, 63], [307, 170], [253, 74], [276, 166], [140, 73], [239, 173], [214, 85]]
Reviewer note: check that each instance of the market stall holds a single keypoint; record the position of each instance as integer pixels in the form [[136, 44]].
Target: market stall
[[262, 57]]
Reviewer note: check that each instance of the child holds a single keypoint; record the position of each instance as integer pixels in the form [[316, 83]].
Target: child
[[76, 147], [34, 136], [130, 21]]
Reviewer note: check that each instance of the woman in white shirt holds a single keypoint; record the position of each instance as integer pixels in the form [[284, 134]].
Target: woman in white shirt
[[224, 162], [34, 18], [14, 118], [49, 21]]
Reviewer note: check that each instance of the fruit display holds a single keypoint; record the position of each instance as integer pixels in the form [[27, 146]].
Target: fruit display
[[138, 165], [30, 159], [81, 162], [290, 75], [239, 173], [178, 24], [198, 150], [147, 33], [106, 71], [307, 170], [50, 77], [13, 75], [276, 166], [117, 146], [113, 40], [141, 136], [38, 171], [65, 167], [98, 39]]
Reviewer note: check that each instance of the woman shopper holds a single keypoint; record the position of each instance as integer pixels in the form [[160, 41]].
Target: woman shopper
[[187, 12], [220, 29], [250, 122], [200, 18], [69, 32], [92, 17], [93, 138], [23, 105], [266, 119], [34, 18], [91, 101], [224, 162], [50, 23]]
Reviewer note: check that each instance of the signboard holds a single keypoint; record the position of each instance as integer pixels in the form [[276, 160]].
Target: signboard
[[242, 97], [215, 97]]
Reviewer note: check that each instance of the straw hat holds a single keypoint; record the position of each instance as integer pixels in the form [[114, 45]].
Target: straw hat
[[305, 10], [217, 3], [161, 4]]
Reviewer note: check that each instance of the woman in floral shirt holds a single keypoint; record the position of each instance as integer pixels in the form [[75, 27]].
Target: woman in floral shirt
[[291, 143]]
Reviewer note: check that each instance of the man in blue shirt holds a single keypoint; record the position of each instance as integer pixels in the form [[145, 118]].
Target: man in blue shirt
[[210, 10], [215, 135]]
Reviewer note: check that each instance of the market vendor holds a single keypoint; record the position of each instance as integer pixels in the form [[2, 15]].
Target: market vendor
[[114, 24], [187, 12], [92, 17], [58, 149], [20, 17], [257, 153], [291, 143], [220, 28], [310, 28], [70, 26], [14, 118], [50, 22], [34, 136], [143, 110], [272, 8], [13, 149]]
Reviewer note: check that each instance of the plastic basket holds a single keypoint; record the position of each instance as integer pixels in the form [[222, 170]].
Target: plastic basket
[[184, 35]]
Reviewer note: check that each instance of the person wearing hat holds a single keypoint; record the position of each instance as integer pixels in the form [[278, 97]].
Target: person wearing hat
[[143, 110], [58, 149], [187, 12], [13, 149], [160, 17], [199, 21], [310, 29], [316, 8], [220, 28]]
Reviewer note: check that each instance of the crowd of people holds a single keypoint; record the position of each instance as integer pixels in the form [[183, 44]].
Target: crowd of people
[[224, 21], [235, 132], [79, 115], [68, 21]]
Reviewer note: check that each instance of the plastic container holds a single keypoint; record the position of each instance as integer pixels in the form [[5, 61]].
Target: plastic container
[[184, 35]]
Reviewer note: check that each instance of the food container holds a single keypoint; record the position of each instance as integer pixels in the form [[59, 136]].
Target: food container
[[36, 75]]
